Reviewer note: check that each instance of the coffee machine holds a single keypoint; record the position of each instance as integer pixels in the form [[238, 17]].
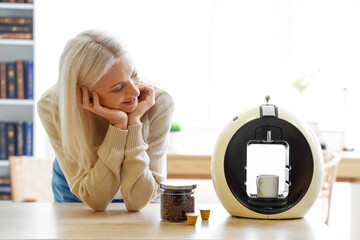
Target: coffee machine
[[267, 140]]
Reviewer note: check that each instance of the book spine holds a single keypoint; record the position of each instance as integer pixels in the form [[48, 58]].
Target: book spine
[[3, 73], [5, 180], [16, 35], [16, 1], [29, 77], [11, 80], [19, 150], [20, 79], [16, 20], [28, 138], [15, 28], [3, 141], [5, 188], [11, 140], [5, 196]]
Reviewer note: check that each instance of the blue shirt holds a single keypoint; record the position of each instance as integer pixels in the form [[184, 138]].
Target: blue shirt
[[61, 188]]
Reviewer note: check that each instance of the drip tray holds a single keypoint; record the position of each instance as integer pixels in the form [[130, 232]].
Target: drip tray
[[281, 200]]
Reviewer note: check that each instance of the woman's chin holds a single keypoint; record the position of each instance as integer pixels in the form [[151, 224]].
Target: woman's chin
[[130, 108]]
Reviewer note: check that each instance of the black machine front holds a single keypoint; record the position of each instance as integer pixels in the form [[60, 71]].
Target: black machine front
[[267, 130]]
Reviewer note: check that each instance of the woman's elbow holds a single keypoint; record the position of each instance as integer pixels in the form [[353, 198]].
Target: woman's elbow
[[97, 206], [135, 206]]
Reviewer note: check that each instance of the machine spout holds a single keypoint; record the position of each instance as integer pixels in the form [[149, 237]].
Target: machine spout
[[268, 136]]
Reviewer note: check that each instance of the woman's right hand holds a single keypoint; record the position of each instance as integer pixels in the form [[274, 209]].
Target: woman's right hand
[[116, 117]]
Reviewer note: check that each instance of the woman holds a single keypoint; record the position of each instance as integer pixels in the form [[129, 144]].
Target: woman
[[108, 128]]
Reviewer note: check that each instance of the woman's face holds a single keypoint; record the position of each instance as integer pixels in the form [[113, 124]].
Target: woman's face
[[118, 89]]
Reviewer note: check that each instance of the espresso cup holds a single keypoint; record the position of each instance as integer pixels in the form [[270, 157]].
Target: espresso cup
[[267, 186]]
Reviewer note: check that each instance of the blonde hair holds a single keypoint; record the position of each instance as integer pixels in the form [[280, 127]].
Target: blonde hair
[[85, 59]]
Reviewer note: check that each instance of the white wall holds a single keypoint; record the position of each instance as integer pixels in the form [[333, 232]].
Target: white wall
[[219, 57]]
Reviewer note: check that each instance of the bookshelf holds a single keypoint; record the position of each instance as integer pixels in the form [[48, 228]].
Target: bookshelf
[[12, 50]]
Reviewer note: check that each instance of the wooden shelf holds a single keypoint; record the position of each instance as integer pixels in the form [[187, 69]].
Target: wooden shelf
[[4, 163], [17, 6], [17, 42], [17, 102]]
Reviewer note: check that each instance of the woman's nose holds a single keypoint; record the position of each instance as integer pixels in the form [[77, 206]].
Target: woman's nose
[[133, 89]]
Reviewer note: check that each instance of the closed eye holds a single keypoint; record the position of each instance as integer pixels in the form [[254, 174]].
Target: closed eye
[[119, 88]]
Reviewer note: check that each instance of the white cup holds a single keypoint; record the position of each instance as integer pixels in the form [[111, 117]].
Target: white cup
[[267, 186]]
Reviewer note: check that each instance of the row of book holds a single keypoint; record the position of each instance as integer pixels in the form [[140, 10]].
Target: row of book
[[17, 1], [16, 79], [16, 28], [16, 139], [5, 188]]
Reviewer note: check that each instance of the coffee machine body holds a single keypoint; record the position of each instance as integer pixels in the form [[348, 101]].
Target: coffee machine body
[[267, 140]]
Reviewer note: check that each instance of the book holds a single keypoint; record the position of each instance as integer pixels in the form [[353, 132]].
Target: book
[[28, 138], [17, 1], [16, 35], [5, 196], [5, 188], [11, 80], [11, 139], [16, 28], [16, 20], [3, 82], [5, 180], [3, 141], [29, 72], [19, 150], [16, 139], [20, 83]]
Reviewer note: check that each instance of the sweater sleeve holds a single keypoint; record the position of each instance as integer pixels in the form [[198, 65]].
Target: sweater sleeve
[[98, 186], [144, 165]]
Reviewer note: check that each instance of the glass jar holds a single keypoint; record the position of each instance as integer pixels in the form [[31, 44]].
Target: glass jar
[[177, 199]]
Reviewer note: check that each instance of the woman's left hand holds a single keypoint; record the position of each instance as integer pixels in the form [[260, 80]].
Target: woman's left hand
[[146, 100]]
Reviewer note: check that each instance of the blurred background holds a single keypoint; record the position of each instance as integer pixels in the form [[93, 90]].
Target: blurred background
[[218, 58]]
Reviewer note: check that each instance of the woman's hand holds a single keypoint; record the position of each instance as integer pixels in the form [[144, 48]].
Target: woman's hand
[[146, 100], [116, 117]]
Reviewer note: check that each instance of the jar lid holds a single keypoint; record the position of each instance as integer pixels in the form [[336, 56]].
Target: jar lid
[[177, 185]]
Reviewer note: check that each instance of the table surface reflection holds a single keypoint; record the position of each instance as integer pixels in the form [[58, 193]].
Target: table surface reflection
[[76, 220]]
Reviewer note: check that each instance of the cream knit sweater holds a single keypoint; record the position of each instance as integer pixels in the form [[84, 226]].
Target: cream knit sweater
[[133, 160]]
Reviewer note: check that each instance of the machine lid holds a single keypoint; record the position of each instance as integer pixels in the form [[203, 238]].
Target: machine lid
[[177, 185]]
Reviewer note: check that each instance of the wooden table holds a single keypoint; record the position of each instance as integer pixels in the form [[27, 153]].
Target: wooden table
[[76, 220]]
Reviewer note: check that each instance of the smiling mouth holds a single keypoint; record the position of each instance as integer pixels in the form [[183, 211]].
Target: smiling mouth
[[131, 102]]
